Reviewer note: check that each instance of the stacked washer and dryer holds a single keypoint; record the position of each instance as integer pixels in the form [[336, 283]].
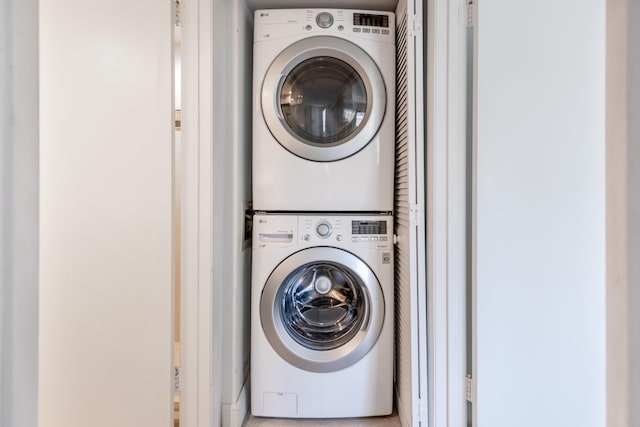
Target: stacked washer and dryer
[[322, 254]]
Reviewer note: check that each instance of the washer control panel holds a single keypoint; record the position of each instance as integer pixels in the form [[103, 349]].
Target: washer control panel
[[282, 230], [369, 230]]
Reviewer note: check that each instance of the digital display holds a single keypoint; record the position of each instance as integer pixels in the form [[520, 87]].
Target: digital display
[[368, 20], [368, 227]]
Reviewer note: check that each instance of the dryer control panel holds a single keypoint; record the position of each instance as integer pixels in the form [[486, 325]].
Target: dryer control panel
[[363, 24]]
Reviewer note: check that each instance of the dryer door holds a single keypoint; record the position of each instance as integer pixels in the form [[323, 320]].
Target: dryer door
[[323, 98], [322, 309]]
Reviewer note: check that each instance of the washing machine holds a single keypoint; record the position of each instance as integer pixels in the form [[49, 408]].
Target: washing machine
[[323, 110], [322, 316]]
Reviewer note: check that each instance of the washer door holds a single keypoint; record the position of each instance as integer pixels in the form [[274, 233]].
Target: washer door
[[323, 98], [322, 309]]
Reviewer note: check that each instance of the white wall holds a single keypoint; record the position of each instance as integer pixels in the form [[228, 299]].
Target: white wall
[[18, 212], [540, 214], [233, 177], [217, 68], [106, 288]]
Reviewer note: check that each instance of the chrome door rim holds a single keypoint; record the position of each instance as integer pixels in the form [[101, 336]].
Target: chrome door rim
[[321, 360], [345, 51]]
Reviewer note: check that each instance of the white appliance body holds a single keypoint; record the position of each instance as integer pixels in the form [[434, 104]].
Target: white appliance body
[[322, 316], [323, 110]]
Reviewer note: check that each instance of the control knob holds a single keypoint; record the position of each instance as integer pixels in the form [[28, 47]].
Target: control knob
[[323, 229], [324, 20]]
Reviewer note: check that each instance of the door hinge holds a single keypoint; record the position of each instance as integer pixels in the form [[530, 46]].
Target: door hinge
[[177, 371], [471, 12], [423, 412], [178, 4], [470, 386], [415, 25], [416, 214]]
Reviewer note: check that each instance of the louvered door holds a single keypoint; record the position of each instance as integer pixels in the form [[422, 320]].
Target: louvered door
[[411, 331]]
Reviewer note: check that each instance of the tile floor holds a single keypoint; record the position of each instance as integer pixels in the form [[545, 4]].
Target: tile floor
[[390, 421]]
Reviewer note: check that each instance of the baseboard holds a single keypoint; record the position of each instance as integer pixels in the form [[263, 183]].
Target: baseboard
[[234, 414]]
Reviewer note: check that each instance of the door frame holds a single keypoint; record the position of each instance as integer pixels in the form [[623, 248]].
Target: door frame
[[445, 188]]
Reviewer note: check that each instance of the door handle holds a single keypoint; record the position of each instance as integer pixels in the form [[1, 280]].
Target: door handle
[[278, 91], [275, 237]]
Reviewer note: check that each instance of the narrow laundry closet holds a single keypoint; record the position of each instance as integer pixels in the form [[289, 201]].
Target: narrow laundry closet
[[325, 201]]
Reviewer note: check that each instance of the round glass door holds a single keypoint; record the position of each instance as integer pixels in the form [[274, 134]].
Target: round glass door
[[322, 309], [323, 101], [323, 98], [323, 305]]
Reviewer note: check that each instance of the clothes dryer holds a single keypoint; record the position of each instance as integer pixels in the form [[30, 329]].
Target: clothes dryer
[[323, 110], [322, 316]]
